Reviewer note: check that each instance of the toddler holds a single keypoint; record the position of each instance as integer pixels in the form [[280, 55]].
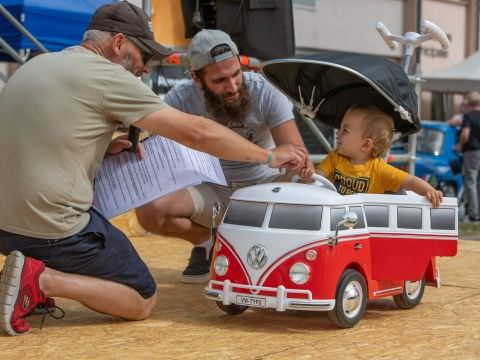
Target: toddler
[[357, 165]]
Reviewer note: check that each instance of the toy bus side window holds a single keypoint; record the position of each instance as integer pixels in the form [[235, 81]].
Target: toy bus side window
[[442, 219], [409, 217], [335, 216], [377, 215], [296, 217], [246, 213]]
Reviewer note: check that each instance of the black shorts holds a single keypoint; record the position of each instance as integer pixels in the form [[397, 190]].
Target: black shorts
[[100, 250]]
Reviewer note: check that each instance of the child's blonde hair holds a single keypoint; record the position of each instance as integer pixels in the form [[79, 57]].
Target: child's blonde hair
[[378, 127]]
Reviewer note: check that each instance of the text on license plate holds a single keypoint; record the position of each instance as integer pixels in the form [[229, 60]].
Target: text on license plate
[[251, 301]]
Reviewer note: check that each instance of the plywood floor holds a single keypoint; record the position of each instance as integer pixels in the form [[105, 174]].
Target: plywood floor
[[446, 325]]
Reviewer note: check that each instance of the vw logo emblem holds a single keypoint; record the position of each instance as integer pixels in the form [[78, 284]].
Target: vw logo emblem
[[257, 257]]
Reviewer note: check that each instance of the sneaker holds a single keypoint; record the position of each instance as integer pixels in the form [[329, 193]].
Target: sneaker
[[198, 268], [47, 308], [42, 308], [19, 292]]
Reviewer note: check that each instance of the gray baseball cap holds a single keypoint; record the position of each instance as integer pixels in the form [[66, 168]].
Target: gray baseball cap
[[199, 51]]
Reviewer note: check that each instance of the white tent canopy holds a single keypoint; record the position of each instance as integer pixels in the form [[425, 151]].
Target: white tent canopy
[[460, 78]]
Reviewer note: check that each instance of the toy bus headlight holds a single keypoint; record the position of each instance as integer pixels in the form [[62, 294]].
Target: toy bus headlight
[[220, 265], [299, 273]]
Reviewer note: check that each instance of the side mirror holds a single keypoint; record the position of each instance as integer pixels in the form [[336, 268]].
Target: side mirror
[[216, 209], [349, 220]]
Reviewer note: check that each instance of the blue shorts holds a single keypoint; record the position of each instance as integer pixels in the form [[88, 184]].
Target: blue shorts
[[100, 250]]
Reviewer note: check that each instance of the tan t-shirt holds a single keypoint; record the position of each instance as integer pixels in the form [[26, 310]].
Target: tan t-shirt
[[58, 113]]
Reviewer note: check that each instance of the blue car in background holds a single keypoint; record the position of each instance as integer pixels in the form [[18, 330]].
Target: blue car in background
[[437, 161]]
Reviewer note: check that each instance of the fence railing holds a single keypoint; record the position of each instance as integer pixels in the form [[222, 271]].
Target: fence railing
[[10, 50]]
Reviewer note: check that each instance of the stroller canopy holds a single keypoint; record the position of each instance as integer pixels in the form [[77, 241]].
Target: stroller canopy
[[325, 85]]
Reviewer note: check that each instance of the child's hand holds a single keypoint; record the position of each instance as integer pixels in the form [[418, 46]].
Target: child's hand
[[421, 187], [306, 175], [435, 197]]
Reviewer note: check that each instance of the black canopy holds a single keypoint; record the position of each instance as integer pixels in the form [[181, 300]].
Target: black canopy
[[339, 80]]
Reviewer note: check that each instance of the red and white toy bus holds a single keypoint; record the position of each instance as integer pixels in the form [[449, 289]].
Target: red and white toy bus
[[305, 247]]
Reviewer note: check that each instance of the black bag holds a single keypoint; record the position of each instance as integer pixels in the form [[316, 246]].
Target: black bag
[[260, 28]]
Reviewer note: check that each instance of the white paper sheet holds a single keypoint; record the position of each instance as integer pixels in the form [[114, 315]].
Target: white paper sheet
[[123, 182]]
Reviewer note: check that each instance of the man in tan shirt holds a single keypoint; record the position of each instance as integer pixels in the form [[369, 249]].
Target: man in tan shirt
[[59, 112]]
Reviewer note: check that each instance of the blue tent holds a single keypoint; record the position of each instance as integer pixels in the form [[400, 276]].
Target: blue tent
[[55, 23]]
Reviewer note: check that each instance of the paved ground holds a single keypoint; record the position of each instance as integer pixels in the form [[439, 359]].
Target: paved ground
[[446, 325], [470, 230]]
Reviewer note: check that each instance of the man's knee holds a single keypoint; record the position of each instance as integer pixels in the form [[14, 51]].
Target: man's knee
[[145, 309], [154, 215]]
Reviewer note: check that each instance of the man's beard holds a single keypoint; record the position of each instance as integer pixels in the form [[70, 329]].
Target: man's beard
[[226, 111], [127, 63]]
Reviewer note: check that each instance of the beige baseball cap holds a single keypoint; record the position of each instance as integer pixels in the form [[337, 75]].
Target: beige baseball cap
[[200, 49]]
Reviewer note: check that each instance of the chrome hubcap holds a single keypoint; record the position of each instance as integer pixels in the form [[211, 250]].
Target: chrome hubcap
[[412, 289], [352, 299]]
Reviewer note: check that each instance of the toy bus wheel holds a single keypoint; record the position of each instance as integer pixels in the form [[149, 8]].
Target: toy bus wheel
[[412, 294], [350, 300], [232, 309]]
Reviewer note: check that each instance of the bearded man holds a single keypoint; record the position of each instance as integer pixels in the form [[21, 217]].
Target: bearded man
[[242, 101]]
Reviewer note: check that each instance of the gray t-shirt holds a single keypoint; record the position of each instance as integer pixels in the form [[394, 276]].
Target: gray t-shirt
[[58, 115], [269, 108]]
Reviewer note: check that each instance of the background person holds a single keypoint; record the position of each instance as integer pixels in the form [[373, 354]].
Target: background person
[[242, 101], [468, 101], [59, 112], [469, 143]]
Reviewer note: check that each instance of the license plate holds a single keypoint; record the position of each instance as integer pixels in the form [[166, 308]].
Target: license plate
[[251, 301]]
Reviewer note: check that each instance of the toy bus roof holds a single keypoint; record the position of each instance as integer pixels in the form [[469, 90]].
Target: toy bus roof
[[293, 193]]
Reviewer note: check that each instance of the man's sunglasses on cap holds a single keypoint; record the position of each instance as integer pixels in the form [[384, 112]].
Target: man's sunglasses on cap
[[146, 53]]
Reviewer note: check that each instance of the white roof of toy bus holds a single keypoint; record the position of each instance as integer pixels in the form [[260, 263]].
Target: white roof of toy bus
[[294, 193]]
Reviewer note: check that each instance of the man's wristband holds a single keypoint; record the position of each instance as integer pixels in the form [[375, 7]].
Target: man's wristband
[[269, 161]]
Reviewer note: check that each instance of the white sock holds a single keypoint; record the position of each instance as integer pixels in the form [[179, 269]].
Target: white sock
[[207, 245]]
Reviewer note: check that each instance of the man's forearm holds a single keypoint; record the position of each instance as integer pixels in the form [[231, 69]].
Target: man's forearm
[[202, 134], [227, 144], [464, 135]]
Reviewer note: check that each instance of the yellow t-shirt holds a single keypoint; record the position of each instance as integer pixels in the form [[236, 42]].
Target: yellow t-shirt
[[373, 176], [58, 113]]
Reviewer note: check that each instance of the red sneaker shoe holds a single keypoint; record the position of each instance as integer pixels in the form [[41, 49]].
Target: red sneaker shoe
[[47, 308], [42, 308], [19, 291]]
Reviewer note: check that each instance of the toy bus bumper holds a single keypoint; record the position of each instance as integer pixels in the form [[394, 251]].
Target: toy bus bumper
[[279, 300]]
